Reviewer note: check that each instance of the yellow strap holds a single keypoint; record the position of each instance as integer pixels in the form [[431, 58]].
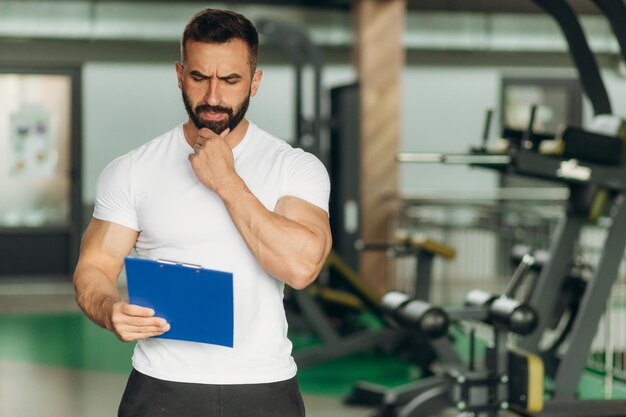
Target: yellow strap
[[433, 246], [352, 278], [336, 297], [598, 205]]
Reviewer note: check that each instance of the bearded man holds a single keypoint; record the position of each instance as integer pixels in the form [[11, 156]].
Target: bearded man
[[220, 192]]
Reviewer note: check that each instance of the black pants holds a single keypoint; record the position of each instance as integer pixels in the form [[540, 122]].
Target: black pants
[[151, 397]]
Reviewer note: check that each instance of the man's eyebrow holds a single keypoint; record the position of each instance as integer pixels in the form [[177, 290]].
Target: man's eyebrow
[[197, 73], [232, 76]]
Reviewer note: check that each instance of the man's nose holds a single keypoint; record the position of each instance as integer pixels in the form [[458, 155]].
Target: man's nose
[[213, 96]]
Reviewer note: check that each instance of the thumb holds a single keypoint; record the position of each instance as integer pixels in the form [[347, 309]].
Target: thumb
[[225, 133]]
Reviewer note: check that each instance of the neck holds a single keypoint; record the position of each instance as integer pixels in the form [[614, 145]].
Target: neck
[[233, 138]]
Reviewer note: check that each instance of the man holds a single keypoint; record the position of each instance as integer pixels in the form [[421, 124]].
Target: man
[[220, 192]]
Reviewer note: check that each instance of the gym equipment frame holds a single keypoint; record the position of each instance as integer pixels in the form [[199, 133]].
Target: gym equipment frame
[[597, 188]]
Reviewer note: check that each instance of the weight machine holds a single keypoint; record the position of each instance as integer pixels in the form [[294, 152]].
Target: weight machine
[[596, 178]]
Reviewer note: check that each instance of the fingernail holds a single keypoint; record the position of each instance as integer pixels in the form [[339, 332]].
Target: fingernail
[[166, 327]]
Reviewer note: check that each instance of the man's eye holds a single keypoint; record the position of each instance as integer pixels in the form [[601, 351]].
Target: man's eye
[[232, 80], [197, 78]]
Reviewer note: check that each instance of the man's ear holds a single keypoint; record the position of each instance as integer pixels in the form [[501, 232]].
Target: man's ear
[[256, 81], [179, 74]]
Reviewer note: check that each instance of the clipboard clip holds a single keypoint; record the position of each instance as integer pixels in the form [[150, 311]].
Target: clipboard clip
[[188, 265]]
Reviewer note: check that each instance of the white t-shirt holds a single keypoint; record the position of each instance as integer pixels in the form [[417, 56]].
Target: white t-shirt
[[153, 190]]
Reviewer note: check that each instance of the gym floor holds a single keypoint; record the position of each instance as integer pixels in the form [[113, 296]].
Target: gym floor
[[28, 390], [56, 363]]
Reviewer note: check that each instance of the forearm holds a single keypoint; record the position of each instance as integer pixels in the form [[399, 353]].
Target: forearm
[[288, 250], [96, 293]]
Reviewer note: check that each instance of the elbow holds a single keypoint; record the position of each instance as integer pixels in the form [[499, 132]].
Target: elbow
[[304, 270], [303, 278], [304, 274]]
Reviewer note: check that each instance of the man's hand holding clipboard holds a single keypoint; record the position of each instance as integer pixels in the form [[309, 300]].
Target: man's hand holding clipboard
[[133, 322], [196, 303]]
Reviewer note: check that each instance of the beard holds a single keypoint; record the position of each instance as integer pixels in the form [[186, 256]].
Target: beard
[[234, 117]]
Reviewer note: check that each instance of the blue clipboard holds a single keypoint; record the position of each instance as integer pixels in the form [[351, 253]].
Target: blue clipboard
[[196, 302]]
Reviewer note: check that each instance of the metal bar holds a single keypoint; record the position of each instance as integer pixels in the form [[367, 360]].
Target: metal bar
[[467, 313], [502, 365], [580, 52], [463, 159], [615, 12], [359, 342], [315, 317], [298, 117], [471, 362], [423, 276], [520, 272], [592, 306], [317, 62], [528, 133], [546, 289], [531, 164], [480, 197], [583, 408], [609, 365], [486, 129]]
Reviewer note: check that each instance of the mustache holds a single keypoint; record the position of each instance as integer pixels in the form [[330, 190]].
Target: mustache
[[216, 109]]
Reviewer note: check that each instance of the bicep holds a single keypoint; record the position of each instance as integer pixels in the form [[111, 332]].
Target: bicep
[[104, 246]]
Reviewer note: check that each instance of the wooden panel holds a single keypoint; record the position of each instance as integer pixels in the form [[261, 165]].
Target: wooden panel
[[380, 62]]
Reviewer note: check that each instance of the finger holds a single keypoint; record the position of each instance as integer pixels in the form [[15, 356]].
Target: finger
[[128, 324], [225, 133], [197, 147], [135, 310], [142, 321], [129, 336], [206, 133], [144, 328]]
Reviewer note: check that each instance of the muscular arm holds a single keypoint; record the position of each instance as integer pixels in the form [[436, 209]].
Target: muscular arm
[[291, 243], [102, 253]]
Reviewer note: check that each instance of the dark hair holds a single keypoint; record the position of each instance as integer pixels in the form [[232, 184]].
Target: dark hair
[[221, 26]]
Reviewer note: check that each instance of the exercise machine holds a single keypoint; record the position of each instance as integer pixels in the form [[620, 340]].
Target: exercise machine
[[361, 297], [596, 181], [481, 388]]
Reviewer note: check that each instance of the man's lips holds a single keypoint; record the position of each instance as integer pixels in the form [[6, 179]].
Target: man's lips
[[211, 115]]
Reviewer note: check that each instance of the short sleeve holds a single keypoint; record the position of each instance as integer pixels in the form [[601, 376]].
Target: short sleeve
[[114, 201], [307, 179]]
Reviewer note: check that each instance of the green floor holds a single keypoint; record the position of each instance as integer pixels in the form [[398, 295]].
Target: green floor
[[70, 340]]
